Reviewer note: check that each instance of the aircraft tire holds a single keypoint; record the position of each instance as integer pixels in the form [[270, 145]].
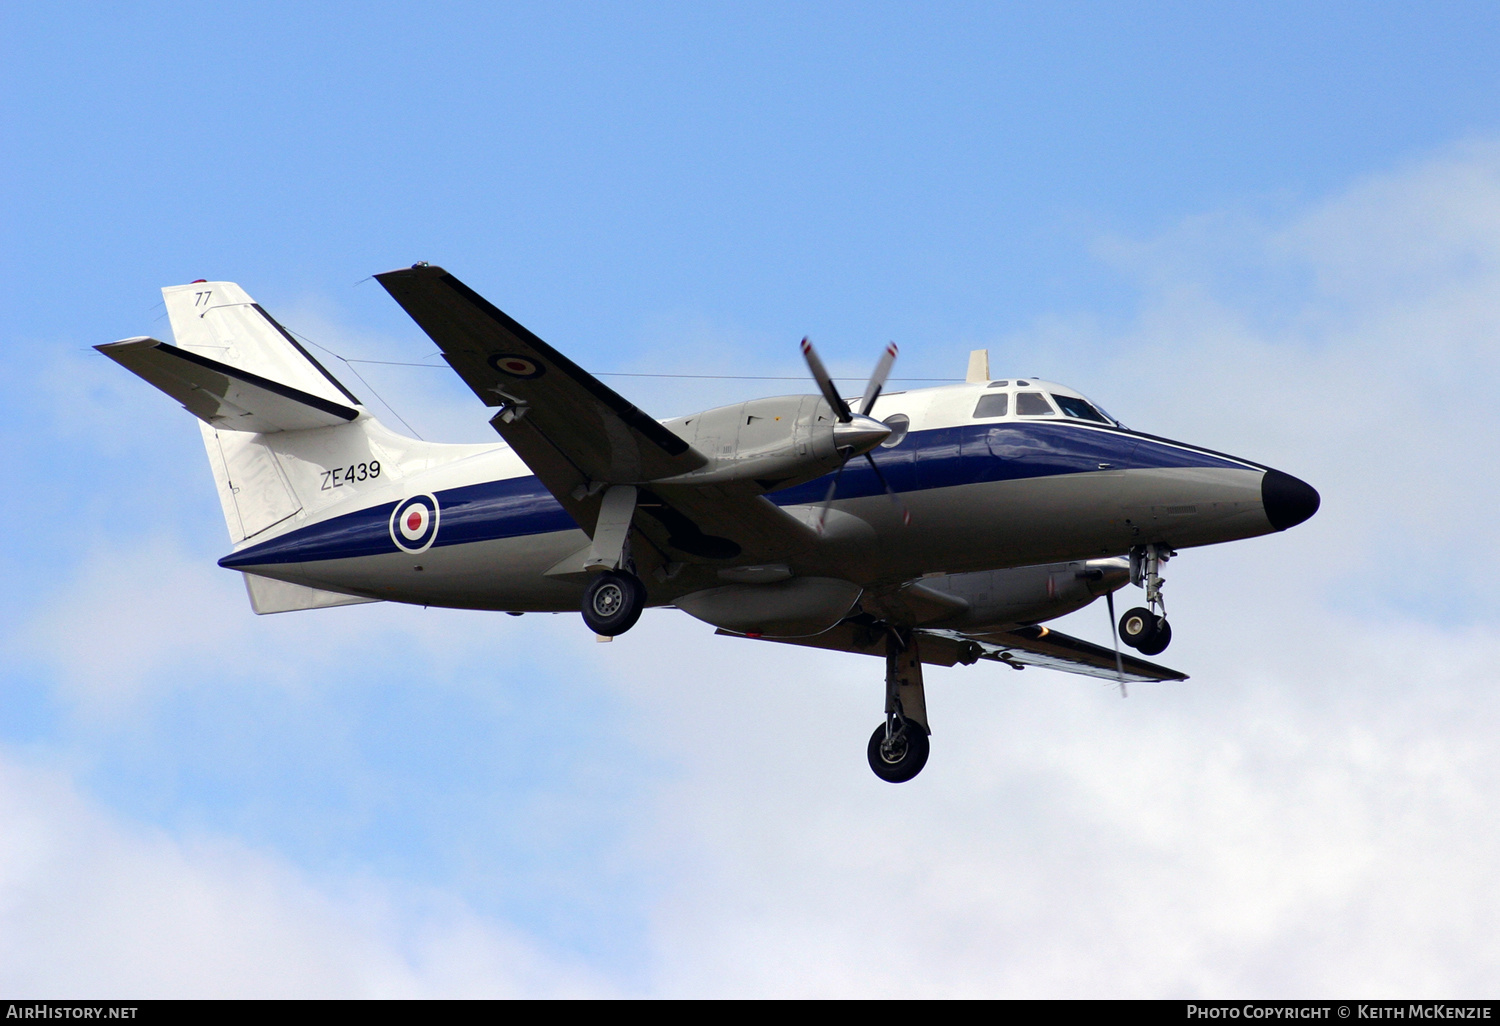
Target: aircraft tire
[[1138, 627], [612, 603], [900, 765], [1160, 639]]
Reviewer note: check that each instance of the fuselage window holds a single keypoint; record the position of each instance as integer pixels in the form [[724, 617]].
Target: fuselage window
[[996, 404], [999, 384], [1033, 404], [1079, 408]]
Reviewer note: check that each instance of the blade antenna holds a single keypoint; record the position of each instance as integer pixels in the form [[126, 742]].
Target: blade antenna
[[825, 383], [1114, 635]]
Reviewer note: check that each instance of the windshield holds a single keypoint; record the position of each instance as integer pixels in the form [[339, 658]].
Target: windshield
[[1080, 409]]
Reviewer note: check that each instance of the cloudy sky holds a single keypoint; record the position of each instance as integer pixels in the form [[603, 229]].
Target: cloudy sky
[[1271, 230]]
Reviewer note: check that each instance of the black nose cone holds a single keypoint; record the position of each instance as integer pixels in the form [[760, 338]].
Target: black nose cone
[[1288, 501]]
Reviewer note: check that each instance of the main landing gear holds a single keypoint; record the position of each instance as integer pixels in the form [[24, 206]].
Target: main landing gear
[[1145, 628], [614, 598], [898, 749]]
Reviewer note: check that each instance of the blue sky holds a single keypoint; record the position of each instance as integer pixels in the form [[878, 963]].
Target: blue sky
[[1271, 229]]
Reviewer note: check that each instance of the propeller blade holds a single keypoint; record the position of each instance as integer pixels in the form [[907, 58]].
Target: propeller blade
[[896, 499], [820, 375], [877, 380], [1114, 634], [828, 499]]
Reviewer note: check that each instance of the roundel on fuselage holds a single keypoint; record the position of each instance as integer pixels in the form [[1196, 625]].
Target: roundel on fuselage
[[414, 523]]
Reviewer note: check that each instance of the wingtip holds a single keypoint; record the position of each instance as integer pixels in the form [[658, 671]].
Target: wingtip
[[420, 269]]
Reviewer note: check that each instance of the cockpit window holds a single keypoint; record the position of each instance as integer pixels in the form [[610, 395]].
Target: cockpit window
[[1079, 408], [1033, 404], [993, 405]]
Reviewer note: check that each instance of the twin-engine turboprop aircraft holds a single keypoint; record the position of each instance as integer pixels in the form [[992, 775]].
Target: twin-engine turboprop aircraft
[[940, 525]]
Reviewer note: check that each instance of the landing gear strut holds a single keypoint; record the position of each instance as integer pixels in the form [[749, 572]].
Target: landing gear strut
[[898, 749], [1145, 628]]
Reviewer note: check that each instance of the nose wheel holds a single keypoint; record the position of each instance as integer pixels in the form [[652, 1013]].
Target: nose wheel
[[1145, 631], [612, 602]]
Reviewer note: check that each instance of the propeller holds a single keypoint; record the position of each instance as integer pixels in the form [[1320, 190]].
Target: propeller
[[1114, 634], [855, 432]]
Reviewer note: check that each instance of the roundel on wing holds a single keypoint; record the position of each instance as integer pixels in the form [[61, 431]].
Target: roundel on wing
[[414, 523], [516, 366]]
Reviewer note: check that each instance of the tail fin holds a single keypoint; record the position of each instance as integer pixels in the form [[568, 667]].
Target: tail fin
[[218, 320], [245, 377], [251, 384]]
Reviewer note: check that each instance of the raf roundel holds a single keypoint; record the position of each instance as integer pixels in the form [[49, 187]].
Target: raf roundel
[[414, 523], [516, 366]]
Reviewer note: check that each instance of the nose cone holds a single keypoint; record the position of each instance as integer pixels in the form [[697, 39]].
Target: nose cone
[[1288, 501], [860, 435]]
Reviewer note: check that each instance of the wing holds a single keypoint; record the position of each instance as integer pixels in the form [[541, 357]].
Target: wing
[[549, 397], [577, 434], [1043, 646], [1022, 647]]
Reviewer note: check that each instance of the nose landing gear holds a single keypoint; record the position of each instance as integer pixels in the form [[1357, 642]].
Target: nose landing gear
[[1145, 628]]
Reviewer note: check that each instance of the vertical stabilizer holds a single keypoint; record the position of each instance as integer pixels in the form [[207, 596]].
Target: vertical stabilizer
[[217, 319]]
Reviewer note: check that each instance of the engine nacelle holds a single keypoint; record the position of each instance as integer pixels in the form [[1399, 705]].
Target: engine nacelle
[[795, 608], [775, 442], [1029, 594]]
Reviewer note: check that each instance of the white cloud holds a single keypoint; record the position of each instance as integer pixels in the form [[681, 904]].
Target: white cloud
[[91, 906]]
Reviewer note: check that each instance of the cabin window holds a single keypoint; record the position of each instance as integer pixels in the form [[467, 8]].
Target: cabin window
[[1078, 408], [899, 423], [996, 404], [999, 384], [1033, 404]]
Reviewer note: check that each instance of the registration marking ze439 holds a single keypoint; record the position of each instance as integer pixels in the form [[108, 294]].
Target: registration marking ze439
[[340, 476]]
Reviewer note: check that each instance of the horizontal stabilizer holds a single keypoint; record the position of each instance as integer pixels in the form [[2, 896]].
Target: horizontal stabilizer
[[225, 397], [272, 596]]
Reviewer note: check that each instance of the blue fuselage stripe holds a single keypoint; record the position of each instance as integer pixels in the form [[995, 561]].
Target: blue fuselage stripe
[[936, 458]]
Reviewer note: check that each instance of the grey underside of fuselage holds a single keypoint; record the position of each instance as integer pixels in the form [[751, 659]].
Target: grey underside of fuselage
[[982, 526]]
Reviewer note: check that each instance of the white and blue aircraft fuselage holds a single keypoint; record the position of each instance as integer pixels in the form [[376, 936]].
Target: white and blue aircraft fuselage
[[939, 525]]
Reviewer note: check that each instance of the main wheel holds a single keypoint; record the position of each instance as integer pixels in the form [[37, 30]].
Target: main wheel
[[612, 603], [901, 757], [1138, 627], [1161, 638]]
